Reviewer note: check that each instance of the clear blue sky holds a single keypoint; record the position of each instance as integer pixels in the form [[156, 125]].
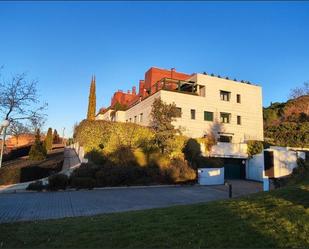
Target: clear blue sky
[[63, 43]]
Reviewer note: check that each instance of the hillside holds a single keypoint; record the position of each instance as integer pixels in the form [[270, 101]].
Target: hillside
[[287, 123]]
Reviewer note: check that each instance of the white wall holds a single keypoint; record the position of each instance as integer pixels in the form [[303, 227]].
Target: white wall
[[144, 107], [285, 160], [250, 109], [236, 150], [211, 176], [255, 167]]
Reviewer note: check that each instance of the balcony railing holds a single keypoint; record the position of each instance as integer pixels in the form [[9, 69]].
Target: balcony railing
[[174, 85]]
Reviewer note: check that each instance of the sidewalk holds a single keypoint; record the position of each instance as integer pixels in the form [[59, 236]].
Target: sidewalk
[[70, 162]]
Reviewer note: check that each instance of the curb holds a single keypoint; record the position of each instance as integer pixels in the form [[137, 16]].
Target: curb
[[12, 191]]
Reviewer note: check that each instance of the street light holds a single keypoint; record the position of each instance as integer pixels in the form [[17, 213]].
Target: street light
[[4, 124]]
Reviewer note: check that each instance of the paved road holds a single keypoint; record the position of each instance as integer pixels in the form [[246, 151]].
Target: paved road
[[52, 205]]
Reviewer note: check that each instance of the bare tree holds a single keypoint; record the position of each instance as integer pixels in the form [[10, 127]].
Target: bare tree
[[19, 100], [299, 91], [16, 129]]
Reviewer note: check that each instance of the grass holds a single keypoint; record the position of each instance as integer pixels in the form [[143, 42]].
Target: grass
[[278, 219]]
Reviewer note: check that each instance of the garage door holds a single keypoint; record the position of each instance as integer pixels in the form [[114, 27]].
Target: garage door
[[234, 169]]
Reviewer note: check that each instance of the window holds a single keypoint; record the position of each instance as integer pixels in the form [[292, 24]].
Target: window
[[208, 116], [130, 120], [126, 121], [192, 114], [239, 120], [141, 117], [225, 117], [178, 114], [135, 119], [225, 139], [225, 95], [238, 98]]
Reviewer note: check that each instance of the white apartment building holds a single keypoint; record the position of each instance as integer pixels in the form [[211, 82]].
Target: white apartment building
[[229, 109]]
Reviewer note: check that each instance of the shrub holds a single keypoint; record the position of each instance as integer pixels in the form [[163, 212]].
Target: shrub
[[123, 156], [36, 186], [96, 156], [209, 141], [49, 139], [180, 171], [141, 158], [192, 150], [254, 147], [82, 182], [175, 146], [28, 171], [38, 150], [59, 181], [108, 136], [114, 175], [85, 170]]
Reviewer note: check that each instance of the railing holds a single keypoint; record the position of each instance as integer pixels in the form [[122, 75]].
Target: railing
[[173, 85], [233, 150]]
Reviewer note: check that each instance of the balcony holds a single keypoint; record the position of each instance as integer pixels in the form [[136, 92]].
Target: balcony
[[169, 84], [231, 150]]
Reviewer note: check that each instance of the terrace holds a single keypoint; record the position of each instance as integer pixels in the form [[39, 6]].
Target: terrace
[[183, 86]]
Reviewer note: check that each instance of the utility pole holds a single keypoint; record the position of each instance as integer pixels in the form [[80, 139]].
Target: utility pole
[[63, 135]]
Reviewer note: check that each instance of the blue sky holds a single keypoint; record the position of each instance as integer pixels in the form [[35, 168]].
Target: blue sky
[[61, 44]]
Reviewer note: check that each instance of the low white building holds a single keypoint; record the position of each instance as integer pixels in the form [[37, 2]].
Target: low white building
[[274, 162]]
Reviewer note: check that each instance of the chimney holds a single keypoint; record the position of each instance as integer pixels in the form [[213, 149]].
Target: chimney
[[141, 87], [172, 72], [134, 90]]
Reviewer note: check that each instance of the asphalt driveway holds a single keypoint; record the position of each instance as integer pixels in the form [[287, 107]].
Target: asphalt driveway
[[52, 205]]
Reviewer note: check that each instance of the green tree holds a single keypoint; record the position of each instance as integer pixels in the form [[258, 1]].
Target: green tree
[[38, 151], [55, 137], [92, 101], [49, 139], [162, 116]]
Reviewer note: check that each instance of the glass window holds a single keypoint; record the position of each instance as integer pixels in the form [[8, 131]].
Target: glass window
[[224, 95], [225, 117], [208, 116], [178, 114], [192, 114], [239, 120], [238, 98], [141, 117], [135, 119], [130, 120], [225, 139]]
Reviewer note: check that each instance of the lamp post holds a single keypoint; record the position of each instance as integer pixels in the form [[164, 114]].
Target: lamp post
[[3, 125]]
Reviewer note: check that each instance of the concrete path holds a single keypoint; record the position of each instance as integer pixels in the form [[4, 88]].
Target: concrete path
[[71, 160], [53, 205]]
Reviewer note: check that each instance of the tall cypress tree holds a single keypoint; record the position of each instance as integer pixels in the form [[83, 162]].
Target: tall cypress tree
[[92, 101], [55, 137], [49, 139]]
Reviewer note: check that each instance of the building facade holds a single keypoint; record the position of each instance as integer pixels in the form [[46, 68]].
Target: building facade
[[228, 109]]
